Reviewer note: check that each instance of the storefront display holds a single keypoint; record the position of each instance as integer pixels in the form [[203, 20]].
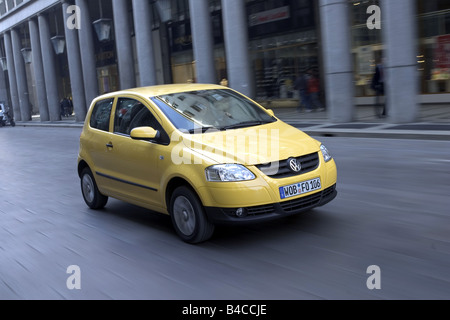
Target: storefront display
[[283, 41], [440, 73], [433, 57]]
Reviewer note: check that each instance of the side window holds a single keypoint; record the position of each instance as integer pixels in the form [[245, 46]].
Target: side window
[[132, 114], [101, 115], [126, 110]]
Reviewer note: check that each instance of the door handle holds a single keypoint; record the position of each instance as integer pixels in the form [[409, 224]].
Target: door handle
[[110, 145]]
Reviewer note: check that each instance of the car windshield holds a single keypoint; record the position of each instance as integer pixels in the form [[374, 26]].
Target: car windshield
[[218, 109]]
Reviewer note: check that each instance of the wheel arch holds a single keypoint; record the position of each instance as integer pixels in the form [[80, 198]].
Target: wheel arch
[[172, 185], [81, 166]]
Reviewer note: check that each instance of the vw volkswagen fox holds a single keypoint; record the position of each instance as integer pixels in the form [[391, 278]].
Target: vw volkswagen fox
[[204, 154]]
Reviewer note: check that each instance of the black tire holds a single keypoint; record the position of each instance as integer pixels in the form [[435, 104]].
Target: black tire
[[188, 217], [91, 195], [13, 124]]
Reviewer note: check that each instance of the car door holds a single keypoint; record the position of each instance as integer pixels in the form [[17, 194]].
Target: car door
[[95, 143], [136, 163]]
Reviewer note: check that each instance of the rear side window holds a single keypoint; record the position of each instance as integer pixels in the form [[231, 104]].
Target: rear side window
[[101, 115]]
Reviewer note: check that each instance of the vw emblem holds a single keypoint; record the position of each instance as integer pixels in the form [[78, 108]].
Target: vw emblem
[[295, 165]]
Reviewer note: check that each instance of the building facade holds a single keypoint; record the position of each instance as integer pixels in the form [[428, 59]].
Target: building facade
[[51, 49]]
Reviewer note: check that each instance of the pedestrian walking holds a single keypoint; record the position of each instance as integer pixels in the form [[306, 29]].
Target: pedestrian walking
[[301, 85], [65, 107], [62, 108], [70, 106], [378, 86], [314, 90]]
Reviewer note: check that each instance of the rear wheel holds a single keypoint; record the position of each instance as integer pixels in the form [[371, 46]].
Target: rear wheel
[[92, 196], [188, 217]]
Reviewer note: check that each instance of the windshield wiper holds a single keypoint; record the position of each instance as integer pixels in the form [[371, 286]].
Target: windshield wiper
[[200, 130], [245, 124]]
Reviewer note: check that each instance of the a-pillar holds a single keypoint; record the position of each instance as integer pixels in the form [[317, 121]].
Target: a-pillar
[[21, 76], [144, 42], [49, 60], [337, 57], [124, 45], [203, 41], [401, 76], [236, 46], [75, 68], [86, 40], [12, 78], [39, 78]]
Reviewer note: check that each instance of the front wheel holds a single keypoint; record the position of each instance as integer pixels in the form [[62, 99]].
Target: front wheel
[[92, 196], [188, 217]]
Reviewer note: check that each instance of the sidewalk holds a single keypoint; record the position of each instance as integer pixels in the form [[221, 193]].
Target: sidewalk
[[433, 124]]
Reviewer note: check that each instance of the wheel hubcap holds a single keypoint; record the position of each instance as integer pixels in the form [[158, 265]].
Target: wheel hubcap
[[184, 215], [88, 188]]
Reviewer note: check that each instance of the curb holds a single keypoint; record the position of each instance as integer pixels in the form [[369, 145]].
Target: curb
[[374, 130], [50, 124], [423, 131], [386, 134]]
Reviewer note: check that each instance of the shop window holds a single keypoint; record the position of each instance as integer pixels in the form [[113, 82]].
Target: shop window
[[434, 57], [277, 63]]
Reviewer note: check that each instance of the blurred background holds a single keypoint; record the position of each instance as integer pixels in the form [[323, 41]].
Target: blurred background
[[258, 47]]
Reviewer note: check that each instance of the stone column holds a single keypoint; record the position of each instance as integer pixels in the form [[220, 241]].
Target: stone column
[[75, 68], [86, 40], [49, 59], [203, 41], [337, 56], [399, 22], [236, 46], [21, 76], [144, 42], [3, 89], [124, 46], [39, 78], [12, 78]]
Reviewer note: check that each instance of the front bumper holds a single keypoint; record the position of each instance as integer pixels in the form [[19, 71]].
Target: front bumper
[[271, 211]]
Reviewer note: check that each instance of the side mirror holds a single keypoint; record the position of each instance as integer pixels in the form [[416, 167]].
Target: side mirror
[[270, 112], [144, 133]]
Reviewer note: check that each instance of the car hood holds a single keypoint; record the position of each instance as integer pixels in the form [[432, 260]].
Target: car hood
[[252, 146]]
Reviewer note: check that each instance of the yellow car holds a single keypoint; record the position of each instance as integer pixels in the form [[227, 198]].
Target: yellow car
[[203, 154]]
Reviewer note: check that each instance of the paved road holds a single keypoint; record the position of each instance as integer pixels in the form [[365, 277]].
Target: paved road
[[391, 211]]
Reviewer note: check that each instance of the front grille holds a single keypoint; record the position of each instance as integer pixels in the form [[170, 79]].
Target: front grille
[[305, 202], [287, 206], [297, 204], [253, 211], [328, 191], [281, 169]]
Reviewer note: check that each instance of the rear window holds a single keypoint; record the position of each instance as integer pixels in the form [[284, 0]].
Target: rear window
[[101, 115]]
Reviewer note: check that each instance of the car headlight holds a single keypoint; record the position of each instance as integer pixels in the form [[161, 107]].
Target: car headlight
[[326, 154], [228, 173]]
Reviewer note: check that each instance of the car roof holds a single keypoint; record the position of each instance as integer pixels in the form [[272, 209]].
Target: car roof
[[159, 90]]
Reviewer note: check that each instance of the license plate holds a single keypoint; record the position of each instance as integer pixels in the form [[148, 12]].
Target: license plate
[[300, 188]]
